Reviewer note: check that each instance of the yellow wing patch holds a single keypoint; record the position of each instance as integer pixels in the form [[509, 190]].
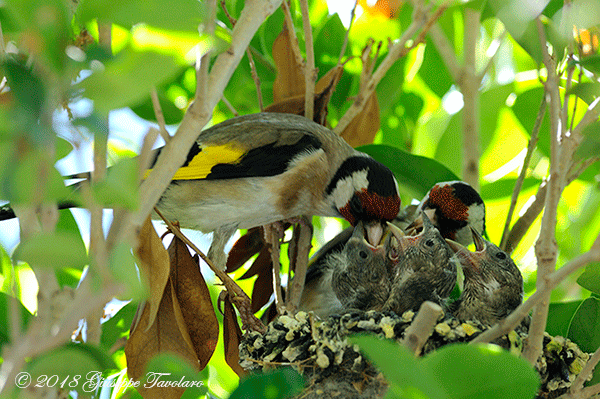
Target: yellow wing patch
[[200, 166]]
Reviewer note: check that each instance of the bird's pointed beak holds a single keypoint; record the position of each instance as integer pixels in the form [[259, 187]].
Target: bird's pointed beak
[[470, 261], [393, 243], [419, 223], [478, 240], [370, 235]]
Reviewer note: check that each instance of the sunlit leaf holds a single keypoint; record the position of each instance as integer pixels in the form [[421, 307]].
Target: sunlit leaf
[[53, 249], [482, 371], [590, 278], [587, 91], [167, 14], [278, 384], [559, 317], [117, 327], [584, 325], [23, 317]]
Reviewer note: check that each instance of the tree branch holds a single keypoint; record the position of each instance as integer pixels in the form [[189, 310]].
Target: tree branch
[[422, 326], [310, 73]]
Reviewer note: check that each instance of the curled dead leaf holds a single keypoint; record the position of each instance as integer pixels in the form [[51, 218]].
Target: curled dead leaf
[[232, 335], [192, 295], [364, 126]]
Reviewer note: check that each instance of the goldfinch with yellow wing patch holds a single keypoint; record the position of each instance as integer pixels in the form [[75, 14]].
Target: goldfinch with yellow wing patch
[[257, 169]]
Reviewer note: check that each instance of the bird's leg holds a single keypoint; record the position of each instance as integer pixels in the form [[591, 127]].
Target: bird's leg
[[273, 235], [216, 252]]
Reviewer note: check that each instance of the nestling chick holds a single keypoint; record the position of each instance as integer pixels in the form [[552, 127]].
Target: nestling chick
[[424, 268], [453, 207], [354, 276], [493, 285]]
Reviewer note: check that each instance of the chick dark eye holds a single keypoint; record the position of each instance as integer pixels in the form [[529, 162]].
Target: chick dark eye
[[429, 243], [363, 254], [501, 255]]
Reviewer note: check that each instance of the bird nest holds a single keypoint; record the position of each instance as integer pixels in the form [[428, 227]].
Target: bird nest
[[333, 367]]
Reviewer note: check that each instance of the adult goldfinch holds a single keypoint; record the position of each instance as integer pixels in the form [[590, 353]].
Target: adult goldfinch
[[257, 169], [453, 207], [493, 285]]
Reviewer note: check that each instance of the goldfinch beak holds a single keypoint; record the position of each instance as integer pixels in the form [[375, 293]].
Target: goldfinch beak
[[374, 233]]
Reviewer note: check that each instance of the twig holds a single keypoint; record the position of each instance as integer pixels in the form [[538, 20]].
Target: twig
[[230, 106], [297, 283], [346, 36], [498, 43], [585, 393], [517, 189], [549, 282], [443, 46], [237, 295], [273, 238], [396, 51], [160, 118], [422, 326], [310, 73], [253, 71]]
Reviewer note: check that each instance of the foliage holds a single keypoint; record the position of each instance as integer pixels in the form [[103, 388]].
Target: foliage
[[54, 56]]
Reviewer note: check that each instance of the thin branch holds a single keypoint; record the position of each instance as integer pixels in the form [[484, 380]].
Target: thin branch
[[545, 247], [296, 285], [346, 36], [253, 71], [310, 73], [498, 43], [546, 286], [238, 296], [230, 106], [273, 238], [160, 117], [524, 169], [590, 116], [447, 54], [422, 326]]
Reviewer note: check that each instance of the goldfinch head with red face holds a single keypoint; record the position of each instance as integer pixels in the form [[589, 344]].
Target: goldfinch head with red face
[[453, 207]]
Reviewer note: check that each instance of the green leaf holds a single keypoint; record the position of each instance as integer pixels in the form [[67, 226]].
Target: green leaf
[[53, 249], [503, 188], [29, 94], [128, 78], [404, 165], [278, 384], [66, 224], [120, 188], [72, 365], [491, 103], [590, 145], [171, 113], [526, 108], [175, 15], [63, 148], [117, 327], [433, 71], [587, 91], [560, 316], [591, 63], [407, 377], [584, 327], [330, 38], [590, 278], [482, 371], [5, 322], [122, 265]]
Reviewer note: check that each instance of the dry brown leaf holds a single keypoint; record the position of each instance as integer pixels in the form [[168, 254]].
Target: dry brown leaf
[[263, 285], [289, 81], [323, 91], [159, 336], [244, 248], [364, 126], [154, 266], [232, 334], [193, 297]]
